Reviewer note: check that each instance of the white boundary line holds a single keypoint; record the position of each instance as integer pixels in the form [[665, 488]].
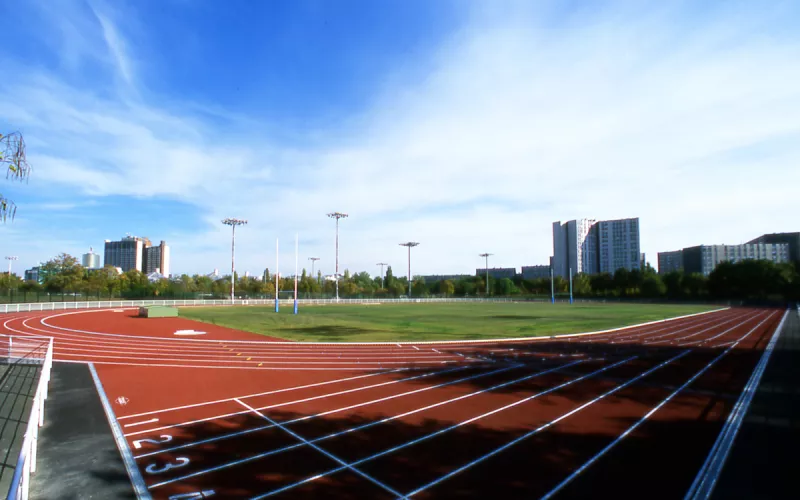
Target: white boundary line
[[137, 481], [275, 405], [703, 485], [548, 424], [266, 393], [650, 413], [322, 414], [424, 342], [324, 452], [377, 422]]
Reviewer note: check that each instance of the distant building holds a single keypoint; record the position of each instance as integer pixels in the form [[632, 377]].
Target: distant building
[[589, 246], [535, 272], [156, 259], [91, 260], [791, 239], [670, 261], [497, 272], [704, 259], [33, 274], [433, 278], [133, 252]]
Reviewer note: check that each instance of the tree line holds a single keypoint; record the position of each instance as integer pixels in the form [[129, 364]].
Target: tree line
[[746, 280]]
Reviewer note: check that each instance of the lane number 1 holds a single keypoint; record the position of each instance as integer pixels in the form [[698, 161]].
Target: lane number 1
[[193, 496]]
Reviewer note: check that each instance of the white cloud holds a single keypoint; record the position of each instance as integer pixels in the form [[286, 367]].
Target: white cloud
[[517, 124]]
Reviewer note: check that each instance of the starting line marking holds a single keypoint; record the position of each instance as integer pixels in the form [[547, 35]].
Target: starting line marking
[[189, 332], [141, 423]]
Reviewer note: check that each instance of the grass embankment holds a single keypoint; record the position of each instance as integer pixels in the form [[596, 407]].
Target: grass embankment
[[449, 321]]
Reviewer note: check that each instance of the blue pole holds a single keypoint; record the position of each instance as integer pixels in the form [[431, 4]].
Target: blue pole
[[570, 285], [552, 288], [277, 275]]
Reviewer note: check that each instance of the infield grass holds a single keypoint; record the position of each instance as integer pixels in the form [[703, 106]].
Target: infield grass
[[433, 321]]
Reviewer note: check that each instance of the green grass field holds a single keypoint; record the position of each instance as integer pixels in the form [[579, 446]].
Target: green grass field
[[447, 321]]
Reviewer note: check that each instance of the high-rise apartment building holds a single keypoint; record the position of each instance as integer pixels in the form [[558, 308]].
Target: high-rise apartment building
[[133, 252], [590, 247], [575, 247], [618, 243], [90, 260], [156, 259]]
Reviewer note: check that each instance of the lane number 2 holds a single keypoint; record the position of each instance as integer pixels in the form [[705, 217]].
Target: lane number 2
[[165, 438], [155, 469]]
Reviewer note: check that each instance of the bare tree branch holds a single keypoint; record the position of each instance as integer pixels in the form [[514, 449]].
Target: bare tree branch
[[12, 156]]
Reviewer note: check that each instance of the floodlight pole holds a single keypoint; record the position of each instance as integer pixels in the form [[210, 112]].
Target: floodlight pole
[[233, 223], [383, 278], [337, 216], [10, 259], [410, 245], [313, 260], [486, 256]]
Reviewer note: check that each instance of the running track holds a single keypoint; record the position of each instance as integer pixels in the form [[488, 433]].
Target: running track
[[626, 414]]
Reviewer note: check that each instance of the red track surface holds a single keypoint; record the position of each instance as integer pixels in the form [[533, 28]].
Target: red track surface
[[232, 413]]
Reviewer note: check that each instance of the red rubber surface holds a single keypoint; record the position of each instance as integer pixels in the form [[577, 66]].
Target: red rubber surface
[[239, 411]]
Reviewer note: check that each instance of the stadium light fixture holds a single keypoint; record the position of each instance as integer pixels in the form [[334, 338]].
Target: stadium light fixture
[[233, 223], [486, 256], [410, 245], [383, 277], [313, 260], [10, 259], [337, 216]]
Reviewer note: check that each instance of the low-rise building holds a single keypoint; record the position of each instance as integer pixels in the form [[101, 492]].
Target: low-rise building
[[535, 272]]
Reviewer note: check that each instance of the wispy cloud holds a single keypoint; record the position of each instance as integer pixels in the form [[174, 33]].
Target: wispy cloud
[[683, 118]]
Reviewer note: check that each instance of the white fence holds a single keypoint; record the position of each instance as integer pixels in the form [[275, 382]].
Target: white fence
[[115, 304], [28, 350]]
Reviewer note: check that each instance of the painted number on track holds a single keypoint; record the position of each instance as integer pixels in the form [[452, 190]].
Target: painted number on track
[[154, 468], [193, 496], [166, 438]]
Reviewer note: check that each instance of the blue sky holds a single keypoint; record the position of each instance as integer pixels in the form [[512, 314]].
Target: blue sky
[[466, 126]]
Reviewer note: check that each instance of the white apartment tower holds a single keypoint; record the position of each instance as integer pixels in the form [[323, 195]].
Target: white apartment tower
[[589, 246]]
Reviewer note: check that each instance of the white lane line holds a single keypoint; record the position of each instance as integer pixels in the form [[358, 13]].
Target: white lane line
[[446, 429], [324, 452], [618, 337], [324, 413], [633, 427], [689, 325], [275, 405], [141, 423], [265, 393], [653, 340], [703, 485], [138, 353], [703, 341], [235, 359], [547, 425], [424, 342], [343, 368], [365, 426], [136, 478]]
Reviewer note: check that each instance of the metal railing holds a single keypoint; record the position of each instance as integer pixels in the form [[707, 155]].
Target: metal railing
[[115, 304], [30, 350]]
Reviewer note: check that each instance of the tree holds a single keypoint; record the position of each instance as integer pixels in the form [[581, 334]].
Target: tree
[[12, 156], [62, 273], [447, 288]]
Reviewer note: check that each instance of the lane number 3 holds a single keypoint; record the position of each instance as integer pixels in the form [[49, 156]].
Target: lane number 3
[[155, 469]]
